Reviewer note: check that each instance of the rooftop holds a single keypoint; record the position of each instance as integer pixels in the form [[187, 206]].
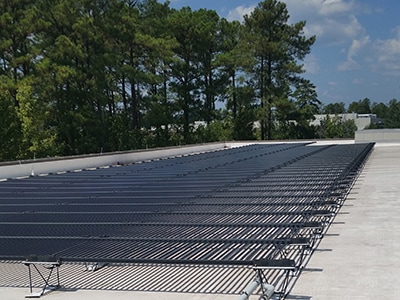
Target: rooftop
[[357, 252], [358, 258]]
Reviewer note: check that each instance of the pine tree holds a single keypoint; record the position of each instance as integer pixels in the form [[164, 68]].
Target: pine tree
[[277, 48]]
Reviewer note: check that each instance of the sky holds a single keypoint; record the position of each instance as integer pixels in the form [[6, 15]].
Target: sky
[[357, 51]]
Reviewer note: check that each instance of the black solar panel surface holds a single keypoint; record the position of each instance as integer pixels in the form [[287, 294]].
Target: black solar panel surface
[[232, 206]]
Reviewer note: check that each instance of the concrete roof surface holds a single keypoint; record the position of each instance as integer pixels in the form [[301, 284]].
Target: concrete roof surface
[[19, 293], [359, 258]]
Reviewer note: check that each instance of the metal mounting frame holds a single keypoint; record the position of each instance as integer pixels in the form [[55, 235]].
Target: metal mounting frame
[[286, 265], [48, 262]]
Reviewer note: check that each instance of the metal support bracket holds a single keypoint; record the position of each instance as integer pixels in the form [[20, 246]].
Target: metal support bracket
[[303, 245], [288, 266], [49, 263]]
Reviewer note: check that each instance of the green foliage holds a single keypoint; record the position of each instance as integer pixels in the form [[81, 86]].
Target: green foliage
[[360, 107], [380, 110], [214, 132], [392, 119], [245, 117], [277, 48], [38, 138], [337, 128], [10, 127], [334, 108], [388, 115], [306, 106], [82, 76]]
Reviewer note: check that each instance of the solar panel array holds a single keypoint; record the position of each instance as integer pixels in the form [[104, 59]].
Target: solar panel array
[[228, 207]]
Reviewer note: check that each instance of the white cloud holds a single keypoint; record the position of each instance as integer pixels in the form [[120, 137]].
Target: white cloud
[[384, 56], [334, 7], [388, 55], [239, 12], [352, 53], [332, 21], [337, 31], [357, 46], [321, 7], [348, 65], [352, 27], [380, 56], [336, 23]]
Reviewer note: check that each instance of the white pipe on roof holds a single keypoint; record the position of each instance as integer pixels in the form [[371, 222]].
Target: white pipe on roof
[[252, 286], [269, 291]]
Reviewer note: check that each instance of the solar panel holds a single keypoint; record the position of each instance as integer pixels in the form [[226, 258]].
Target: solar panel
[[226, 207]]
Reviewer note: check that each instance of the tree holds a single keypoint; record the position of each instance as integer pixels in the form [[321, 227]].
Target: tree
[[334, 108], [17, 48], [337, 128], [380, 110], [307, 105], [39, 138], [18, 22], [245, 117], [84, 76], [158, 109], [277, 48], [230, 61], [70, 73], [392, 119], [10, 128], [185, 70], [360, 107], [211, 81]]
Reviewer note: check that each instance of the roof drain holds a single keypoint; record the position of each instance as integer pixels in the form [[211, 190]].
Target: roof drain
[[267, 289]]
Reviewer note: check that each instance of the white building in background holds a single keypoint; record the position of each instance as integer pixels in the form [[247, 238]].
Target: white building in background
[[361, 120]]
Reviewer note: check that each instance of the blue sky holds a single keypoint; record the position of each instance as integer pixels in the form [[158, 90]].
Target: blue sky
[[357, 52]]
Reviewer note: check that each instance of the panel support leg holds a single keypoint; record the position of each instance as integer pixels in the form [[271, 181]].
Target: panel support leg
[[47, 286]]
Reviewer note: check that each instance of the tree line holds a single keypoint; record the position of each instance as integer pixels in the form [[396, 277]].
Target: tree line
[[388, 112], [90, 76], [85, 76]]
